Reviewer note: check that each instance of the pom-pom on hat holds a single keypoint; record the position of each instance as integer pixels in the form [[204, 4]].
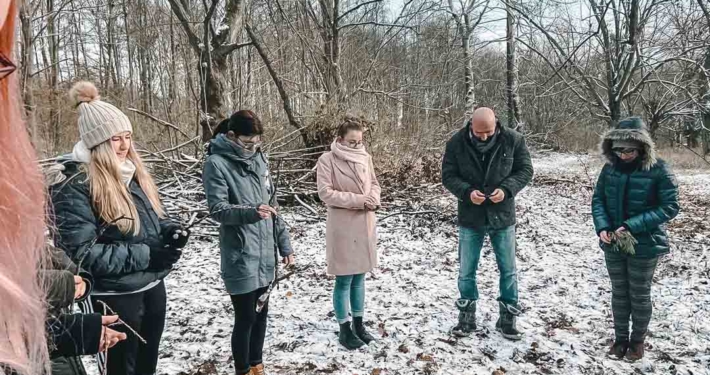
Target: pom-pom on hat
[[98, 120]]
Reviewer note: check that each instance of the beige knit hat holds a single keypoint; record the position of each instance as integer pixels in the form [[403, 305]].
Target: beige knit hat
[[98, 120]]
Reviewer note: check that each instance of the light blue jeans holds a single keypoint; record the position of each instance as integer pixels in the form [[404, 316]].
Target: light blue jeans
[[349, 292], [503, 242]]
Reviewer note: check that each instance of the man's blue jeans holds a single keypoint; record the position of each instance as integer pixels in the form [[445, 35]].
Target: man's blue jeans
[[503, 242]]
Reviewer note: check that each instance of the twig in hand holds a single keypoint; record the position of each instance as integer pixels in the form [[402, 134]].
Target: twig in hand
[[623, 242], [108, 310]]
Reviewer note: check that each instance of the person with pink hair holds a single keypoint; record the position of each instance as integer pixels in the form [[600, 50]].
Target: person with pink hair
[[24, 317]]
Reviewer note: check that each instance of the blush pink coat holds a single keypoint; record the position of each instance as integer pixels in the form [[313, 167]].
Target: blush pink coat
[[351, 235]]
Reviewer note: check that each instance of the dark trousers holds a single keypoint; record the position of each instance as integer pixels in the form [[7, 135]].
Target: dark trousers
[[631, 280], [249, 331], [145, 313]]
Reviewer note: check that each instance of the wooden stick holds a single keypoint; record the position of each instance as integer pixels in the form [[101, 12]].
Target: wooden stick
[[309, 208]]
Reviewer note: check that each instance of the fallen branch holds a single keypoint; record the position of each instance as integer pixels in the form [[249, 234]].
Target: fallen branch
[[309, 208]]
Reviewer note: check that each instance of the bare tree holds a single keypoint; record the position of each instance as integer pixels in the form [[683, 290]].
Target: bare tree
[[468, 16], [213, 49]]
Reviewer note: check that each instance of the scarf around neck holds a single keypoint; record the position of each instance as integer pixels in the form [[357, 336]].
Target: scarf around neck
[[484, 147], [352, 155]]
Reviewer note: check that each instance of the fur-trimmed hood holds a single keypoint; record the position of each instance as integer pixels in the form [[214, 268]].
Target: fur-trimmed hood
[[630, 129]]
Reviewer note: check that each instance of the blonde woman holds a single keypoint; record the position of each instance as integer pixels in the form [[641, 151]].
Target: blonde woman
[[348, 186], [107, 192]]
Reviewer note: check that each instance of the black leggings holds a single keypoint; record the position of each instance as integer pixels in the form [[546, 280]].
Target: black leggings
[[249, 331], [144, 312]]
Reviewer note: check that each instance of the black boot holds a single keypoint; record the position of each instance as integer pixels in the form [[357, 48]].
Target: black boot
[[360, 331], [506, 323], [347, 337], [467, 318]]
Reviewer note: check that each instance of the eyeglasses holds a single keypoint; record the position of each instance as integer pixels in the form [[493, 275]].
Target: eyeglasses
[[624, 151], [250, 143], [354, 144], [7, 67]]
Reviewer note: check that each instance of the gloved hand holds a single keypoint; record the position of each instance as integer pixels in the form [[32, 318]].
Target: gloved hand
[[175, 236], [163, 258]]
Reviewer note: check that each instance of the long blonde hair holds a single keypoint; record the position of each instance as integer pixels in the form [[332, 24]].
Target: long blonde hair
[[110, 196], [23, 343]]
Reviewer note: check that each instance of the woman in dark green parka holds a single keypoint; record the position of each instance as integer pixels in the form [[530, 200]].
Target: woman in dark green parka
[[636, 194]]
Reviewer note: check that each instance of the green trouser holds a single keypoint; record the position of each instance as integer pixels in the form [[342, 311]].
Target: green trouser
[[631, 279]]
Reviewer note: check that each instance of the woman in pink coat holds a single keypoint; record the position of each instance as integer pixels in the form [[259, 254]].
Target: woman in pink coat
[[348, 186]]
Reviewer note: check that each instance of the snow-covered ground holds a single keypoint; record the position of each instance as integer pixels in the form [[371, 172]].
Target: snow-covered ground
[[563, 284]]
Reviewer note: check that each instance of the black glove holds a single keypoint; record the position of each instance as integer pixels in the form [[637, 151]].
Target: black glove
[[163, 258], [175, 236]]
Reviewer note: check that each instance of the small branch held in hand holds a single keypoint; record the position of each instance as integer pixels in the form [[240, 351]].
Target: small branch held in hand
[[120, 321]]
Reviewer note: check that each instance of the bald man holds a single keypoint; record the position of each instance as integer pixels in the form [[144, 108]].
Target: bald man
[[485, 166]]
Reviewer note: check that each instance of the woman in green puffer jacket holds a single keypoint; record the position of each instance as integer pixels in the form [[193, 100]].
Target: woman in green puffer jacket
[[636, 194]]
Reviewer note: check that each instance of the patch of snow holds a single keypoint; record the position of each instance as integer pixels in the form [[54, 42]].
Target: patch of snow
[[563, 285]]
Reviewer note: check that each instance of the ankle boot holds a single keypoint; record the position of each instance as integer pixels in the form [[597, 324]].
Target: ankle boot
[[467, 318], [506, 323], [347, 337], [618, 349], [636, 351], [360, 331], [257, 370]]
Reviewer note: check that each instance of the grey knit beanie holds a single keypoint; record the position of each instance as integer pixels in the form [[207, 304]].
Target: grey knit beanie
[[98, 120]]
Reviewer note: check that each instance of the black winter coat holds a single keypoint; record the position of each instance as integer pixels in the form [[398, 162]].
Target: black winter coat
[[118, 262], [509, 168]]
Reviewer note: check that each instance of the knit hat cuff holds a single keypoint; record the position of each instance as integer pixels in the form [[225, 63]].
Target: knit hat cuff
[[103, 132]]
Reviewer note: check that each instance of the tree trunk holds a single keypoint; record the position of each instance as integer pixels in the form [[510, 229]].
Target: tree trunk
[[705, 131], [468, 71], [26, 66], [53, 75], [511, 72]]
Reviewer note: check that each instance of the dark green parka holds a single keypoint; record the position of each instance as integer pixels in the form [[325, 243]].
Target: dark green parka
[[642, 200]]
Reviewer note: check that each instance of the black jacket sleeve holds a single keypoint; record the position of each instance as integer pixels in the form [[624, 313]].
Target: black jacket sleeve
[[73, 335], [522, 171], [59, 285], [77, 227], [451, 176]]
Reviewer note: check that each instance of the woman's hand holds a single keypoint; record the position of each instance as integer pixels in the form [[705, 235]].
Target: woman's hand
[[265, 211], [79, 287], [370, 203], [604, 236], [109, 337], [289, 260]]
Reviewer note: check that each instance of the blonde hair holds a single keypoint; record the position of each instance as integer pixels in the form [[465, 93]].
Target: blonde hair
[[110, 196], [23, 343]]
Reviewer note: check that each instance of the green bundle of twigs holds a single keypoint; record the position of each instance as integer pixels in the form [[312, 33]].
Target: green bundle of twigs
[[623, 242]]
